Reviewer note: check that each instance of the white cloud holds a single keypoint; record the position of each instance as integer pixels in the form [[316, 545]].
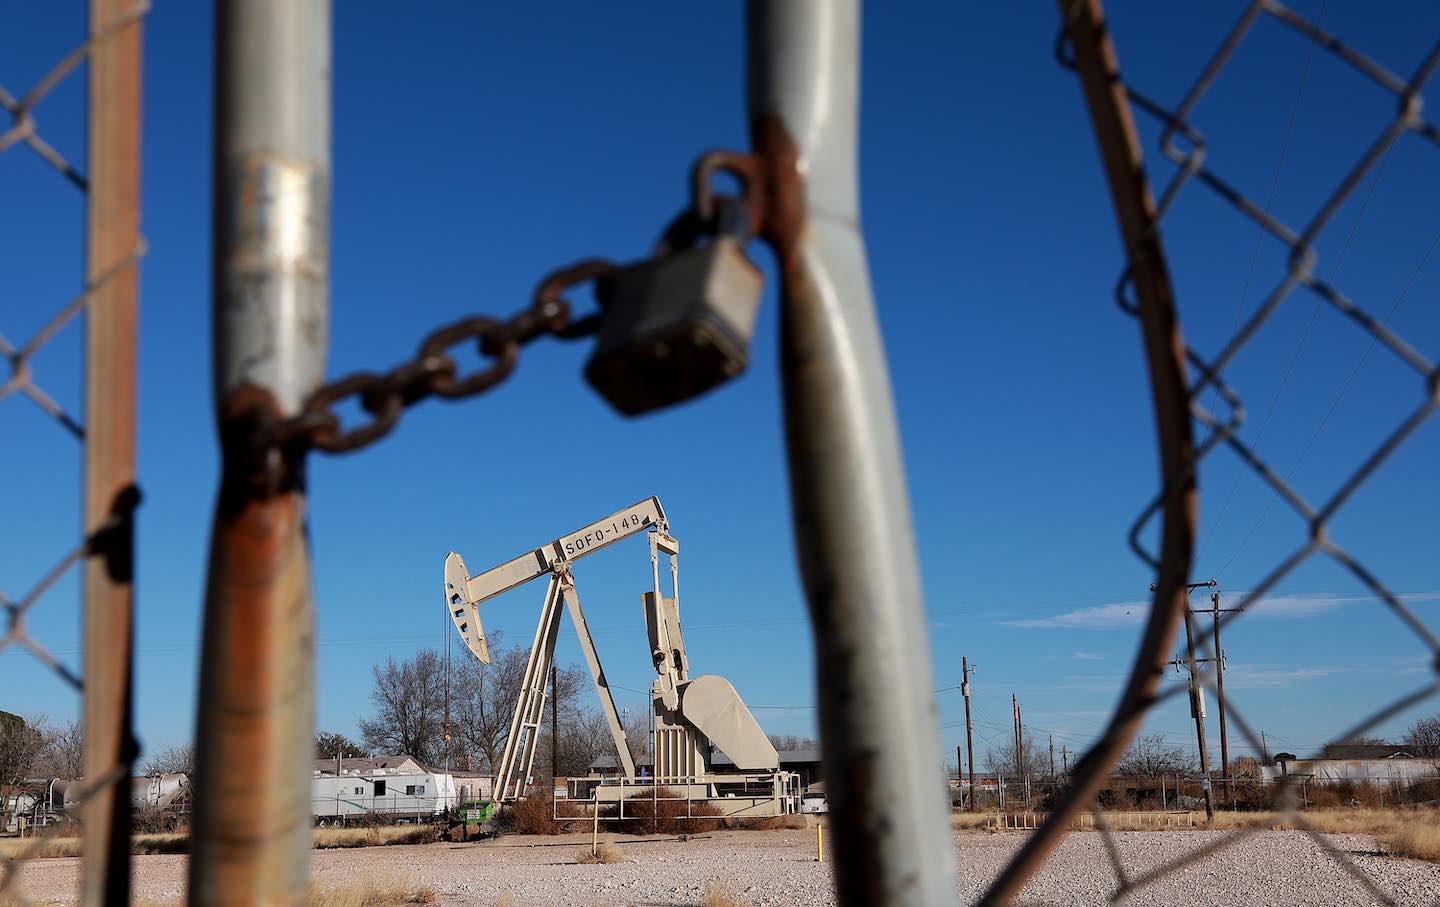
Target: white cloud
[[1261, 677], [1087, 656], [1098, 617], [1274, 607]]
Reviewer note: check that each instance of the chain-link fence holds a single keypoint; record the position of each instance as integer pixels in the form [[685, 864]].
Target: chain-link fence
[[105, 307], [863, 591], [1145, 291]]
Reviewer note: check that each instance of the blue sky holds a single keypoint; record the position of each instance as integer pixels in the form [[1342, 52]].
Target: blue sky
[[477, 148]]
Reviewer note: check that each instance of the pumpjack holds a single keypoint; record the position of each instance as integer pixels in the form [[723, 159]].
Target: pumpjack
[[691, 714]]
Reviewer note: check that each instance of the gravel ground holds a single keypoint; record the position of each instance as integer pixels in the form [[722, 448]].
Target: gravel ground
[[764, 868]]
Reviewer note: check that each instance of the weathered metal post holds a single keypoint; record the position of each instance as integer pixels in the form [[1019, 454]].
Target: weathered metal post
[[893, 843], [112, 235], [270, 307]]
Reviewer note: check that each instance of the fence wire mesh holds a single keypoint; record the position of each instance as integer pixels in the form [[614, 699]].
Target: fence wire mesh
[[29, 379], [1182, 143]]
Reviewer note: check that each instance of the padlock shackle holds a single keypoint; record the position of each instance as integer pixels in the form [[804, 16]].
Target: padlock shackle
[[745, 168]]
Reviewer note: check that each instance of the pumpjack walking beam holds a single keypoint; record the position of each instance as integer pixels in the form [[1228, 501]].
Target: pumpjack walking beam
[[464, 594], [852, 525]]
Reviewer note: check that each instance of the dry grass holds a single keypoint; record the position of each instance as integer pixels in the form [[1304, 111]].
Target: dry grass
[[757, 823], [169, 842], [1417, 840], [1330, 821], [376, 835], [1382, 823], [717, 895], [55, 846], [605, 852], [372, 894]]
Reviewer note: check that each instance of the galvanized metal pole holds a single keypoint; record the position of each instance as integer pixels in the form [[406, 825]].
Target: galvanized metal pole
[[112, 235], [851, 507], [1220, 699], [969, 732], [1197, 709], [270, 308]]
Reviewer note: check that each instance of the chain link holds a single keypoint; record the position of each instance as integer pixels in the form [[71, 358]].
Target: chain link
[[434, 372]]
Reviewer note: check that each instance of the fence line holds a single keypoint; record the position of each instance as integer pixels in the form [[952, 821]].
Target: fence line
[[105, 552], [1145, 291]]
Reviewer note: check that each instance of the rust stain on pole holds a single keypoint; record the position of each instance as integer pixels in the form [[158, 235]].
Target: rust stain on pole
[[259, 641], [112, 235], [255, 731]]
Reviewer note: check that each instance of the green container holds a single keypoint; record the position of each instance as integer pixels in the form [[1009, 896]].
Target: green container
[[477, 812]]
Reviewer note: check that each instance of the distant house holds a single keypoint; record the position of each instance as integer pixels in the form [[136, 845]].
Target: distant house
[[805, 764], [1367, 751], [1380, 763], [399, 764]]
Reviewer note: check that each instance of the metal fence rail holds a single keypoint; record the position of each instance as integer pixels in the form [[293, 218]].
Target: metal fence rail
[[1144, 291], [108, 301]]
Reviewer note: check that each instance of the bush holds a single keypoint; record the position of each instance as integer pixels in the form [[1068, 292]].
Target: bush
[[664, 812], [536, 816], [153, 819], [605, 852]]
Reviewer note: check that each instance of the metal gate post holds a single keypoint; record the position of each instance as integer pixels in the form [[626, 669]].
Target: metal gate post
[[270, 309], [893, 843], [112, 235]]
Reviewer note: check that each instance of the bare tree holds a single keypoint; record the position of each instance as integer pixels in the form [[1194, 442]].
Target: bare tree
[[1149, 756], [178, 758], [332, 745], [1034, 763], [1245, 767], [637, 733], [21, 741], [790, 742], [584, 740], [483, 700], [1424, 736], [409, 698], [482, 704], [62, 750]]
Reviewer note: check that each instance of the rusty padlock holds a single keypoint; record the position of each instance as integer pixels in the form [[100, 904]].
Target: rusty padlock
[[679, 323]]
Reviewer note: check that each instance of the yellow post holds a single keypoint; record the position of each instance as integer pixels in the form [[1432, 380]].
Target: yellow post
[[819, 842], [595, 832]]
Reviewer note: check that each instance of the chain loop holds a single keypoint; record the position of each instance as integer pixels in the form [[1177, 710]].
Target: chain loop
[[433, 371]]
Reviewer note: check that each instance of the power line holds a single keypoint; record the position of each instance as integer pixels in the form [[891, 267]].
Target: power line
[[1269, 202], [1275, 495], [1295, 356]]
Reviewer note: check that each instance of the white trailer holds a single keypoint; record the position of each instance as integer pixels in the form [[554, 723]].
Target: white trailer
[[417, 795]]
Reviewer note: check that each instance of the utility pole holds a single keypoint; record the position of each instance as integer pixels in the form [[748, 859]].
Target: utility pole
[[1015, 720], [1052, 756], [969, 732], [1022, 776], [960, 773], [1197, 700], [1197, 704], [1065, 759], [1264, 750], [1216, 611]]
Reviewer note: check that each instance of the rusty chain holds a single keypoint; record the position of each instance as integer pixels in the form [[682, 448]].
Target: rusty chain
[[434, 372]]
